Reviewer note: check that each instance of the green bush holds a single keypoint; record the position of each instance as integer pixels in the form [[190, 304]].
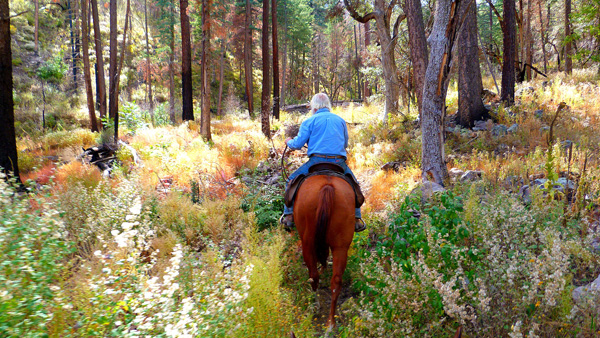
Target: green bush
[[267, 205], [52, 70], [33, 250]]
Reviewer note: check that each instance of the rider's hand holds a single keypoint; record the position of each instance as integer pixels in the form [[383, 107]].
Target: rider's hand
[[287, 140]]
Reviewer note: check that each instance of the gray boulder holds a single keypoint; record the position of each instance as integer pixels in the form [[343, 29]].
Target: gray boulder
[[455, 172], [539, 113], [513, 129], [587, 292], [471, 175], [499, 130], [428, 189]]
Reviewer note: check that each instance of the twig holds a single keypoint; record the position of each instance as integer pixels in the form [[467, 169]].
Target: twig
[[561, 106]]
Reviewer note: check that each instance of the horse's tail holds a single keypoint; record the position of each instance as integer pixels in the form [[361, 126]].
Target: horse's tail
[[323, 217]]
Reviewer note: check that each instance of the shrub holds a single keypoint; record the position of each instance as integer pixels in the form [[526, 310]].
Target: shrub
[[52, 70]]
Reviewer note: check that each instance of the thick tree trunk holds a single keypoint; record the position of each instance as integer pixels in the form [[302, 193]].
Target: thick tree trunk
[[543, 37], [248, 59], [205, 84], [221, 75], [100, 77], [265, 108], [275, 43], [86, 66], [568, 61], [418, 45], [113, 104], [470, 105], [148, 68], [37, 28], [172, 65], [8, 142], [508, 65], [441, 41], [186, 64]]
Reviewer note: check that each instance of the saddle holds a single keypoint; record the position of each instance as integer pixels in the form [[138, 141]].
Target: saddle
[[328, 169]]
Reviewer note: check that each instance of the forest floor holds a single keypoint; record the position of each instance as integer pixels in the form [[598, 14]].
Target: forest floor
[[185, 241]]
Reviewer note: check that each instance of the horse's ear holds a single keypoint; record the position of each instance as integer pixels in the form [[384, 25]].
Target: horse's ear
[[292, 335]]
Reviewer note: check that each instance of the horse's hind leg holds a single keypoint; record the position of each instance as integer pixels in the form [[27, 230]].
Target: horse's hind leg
[[340, 257], [311, 263]]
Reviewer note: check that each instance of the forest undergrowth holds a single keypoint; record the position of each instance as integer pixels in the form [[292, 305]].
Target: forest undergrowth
[[82, 255]]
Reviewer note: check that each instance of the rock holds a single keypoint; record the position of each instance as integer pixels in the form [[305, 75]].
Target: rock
[[525, 90], [273, 179], [471, 175], [525, 194], [428, 189], [480, 126], [455, 172], [513, 182], [564, 183], [395, 166], [499, 130], [539, 113], [566, 144], [596, 245], [539, 182], [513, 129], [587, 292], [543, 129]]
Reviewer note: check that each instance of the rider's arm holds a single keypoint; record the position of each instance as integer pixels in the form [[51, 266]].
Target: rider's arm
[[303, 135]]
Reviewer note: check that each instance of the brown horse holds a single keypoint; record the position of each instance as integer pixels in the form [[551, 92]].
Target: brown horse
[[324, 217]]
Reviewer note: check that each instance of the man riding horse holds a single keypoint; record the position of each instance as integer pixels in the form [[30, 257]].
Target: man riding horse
[[327, 137]]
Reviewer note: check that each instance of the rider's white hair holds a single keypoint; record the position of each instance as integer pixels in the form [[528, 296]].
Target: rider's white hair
[[319, 101]]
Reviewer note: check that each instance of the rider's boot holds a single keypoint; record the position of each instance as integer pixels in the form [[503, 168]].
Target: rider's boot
[[287, 221], [359, 225]]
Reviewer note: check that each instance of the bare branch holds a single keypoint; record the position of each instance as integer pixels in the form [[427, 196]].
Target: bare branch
[[354, 14]]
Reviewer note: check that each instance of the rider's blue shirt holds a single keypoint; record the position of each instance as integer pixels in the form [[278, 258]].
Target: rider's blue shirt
[[324, 132]]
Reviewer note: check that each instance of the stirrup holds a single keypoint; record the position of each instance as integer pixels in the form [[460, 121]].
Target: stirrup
[[288, 225], [359, 225]]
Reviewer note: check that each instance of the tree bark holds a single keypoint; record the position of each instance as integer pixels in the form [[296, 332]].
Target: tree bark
[[186, 64], [470, 105], [568, 61], [266, 86], [543, 37], [418, 45], [248, 59], [113, 104], [117, 77], [382, 13], [285, 57], [172, 65], [100, 77], [441, 41], [86, 66], [148, 68], [205, 84], [8, 142], [275, 60], [508, 65], [37, 27], [221, 75]]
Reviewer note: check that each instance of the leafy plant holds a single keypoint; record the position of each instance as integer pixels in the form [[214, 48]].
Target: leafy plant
[[52, 70]]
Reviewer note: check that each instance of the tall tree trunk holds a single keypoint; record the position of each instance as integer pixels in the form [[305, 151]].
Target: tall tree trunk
[[418, 45], [275, 43], [543, 37], [529, 43], [441, 40], [37, 28], [205, 96], [86, 66], [73, 54], [367, 90], [285, 56], [8, 142], [248, 59], [186, 64], [114, 98], [113, 104], [265, 105], [221, 75], [470, 105], [172, 65], [100, 77], [508, 65], [568, 61], [148, 68]]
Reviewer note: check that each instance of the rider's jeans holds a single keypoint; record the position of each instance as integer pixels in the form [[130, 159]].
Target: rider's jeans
[[304, 170]]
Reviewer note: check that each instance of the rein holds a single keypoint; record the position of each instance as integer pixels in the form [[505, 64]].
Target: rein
[[283, 173]]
